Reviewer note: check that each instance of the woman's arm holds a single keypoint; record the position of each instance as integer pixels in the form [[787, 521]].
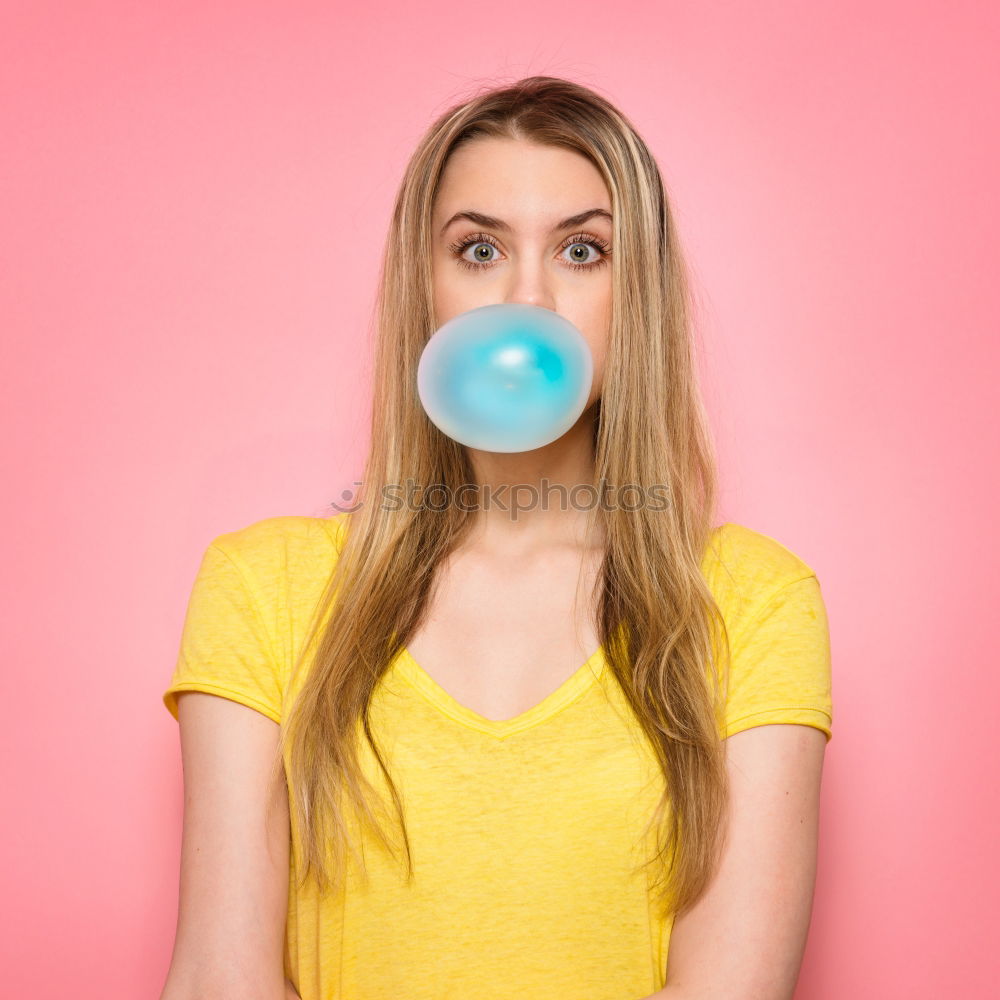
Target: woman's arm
[[746, 936], [234, 871]]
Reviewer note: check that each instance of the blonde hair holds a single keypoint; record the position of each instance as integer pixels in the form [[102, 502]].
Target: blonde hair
[[650, 581]]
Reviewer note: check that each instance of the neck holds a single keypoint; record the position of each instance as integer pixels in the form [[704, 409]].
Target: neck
[[541, 498]]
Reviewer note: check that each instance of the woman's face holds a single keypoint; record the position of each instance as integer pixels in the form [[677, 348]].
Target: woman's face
[[516, 248]]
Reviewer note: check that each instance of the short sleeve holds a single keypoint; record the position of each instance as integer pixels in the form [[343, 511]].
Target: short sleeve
[[225, 647], [780, 670]]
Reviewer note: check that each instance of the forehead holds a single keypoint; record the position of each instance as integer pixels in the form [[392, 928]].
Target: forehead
[[517, 180]]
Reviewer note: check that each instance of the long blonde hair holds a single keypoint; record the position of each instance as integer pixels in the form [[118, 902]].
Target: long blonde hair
[[650, 428]]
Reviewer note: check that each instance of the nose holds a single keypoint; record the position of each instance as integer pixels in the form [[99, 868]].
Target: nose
[[530, 285]]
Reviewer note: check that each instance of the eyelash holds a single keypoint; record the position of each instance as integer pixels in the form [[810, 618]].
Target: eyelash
[[458, 249]]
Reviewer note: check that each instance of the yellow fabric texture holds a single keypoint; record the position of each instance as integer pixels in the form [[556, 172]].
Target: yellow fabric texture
[[526, 833]]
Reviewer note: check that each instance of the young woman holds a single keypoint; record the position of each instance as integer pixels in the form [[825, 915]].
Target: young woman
[[520, 747]]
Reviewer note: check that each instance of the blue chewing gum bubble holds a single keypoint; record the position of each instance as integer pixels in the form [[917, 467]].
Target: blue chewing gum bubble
[[505, 378]]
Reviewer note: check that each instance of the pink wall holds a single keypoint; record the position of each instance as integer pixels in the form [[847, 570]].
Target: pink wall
[[194, 200]]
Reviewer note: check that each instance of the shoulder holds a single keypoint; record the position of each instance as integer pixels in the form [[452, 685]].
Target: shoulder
[[275, 545], [777, 630], [744, 568]]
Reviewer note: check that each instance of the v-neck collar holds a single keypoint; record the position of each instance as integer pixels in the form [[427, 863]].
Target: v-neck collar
[[574, 686]]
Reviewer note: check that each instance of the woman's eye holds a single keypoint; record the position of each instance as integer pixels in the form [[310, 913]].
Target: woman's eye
[[477, 253], [580, 253], [483, 252]]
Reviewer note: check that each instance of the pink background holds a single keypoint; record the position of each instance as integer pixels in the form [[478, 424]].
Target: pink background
[[194, 203]]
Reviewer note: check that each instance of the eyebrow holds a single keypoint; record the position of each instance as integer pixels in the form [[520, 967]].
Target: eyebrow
[[489, 222]]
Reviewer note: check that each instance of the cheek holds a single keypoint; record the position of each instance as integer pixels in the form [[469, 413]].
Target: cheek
[[600, 355], [443, 289], [438, 289], [597, 342], [451, 297], [598, 338]]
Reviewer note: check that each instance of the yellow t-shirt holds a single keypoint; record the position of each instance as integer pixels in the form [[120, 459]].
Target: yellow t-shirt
[[525, 832]]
